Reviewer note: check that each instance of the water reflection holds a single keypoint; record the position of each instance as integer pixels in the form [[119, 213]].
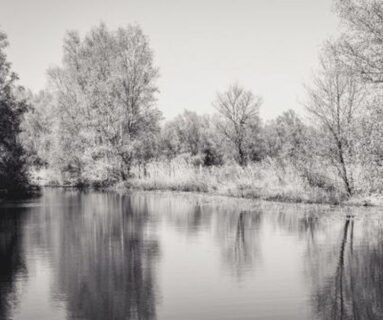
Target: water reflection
[[352, 283], [241, 240], [11, 258], [104, 263], [88, 255]]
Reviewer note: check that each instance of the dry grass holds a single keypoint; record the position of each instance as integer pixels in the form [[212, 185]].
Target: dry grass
[[267, 180]]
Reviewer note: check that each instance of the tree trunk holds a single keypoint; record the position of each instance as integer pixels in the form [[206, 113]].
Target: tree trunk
[[123, 175], [125, 170], [242, 155], [340, 269], [344, 170], [145, 170]]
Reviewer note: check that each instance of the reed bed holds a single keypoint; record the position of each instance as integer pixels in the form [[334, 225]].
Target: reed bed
[[267, 180]]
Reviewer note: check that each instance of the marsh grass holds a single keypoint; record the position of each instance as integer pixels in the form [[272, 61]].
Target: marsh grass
[[267, 180], [270, 179]]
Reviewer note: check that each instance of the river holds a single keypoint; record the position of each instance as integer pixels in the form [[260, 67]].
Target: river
[[92, 255]]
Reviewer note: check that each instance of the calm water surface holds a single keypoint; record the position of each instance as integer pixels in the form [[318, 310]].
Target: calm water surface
[[90, 255]]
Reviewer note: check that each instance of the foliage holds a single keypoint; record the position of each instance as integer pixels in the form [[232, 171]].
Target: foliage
[[102, 102], [38, 127], [13, 175], [192, 134], [285, 137]]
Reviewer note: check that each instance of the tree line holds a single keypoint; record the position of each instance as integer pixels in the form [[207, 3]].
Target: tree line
[[97, 118]]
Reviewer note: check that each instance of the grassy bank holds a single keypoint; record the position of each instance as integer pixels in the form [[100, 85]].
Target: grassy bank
[[267, 180]]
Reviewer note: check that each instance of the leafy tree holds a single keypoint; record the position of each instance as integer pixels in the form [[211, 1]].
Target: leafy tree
[[192, 134], [38, 127], [13, 170], [213, 149], [189, 132], [170, 143], [191, 128], [105, 103]]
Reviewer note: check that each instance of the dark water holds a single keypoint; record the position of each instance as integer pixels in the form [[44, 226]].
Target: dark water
[[76, 255]]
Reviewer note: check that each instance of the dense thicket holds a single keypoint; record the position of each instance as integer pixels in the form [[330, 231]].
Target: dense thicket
[[13, 175]]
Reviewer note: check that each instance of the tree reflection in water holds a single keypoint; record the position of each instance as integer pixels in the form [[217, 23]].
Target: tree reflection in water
[[235, 227], [344, 259], [100, 255], [354, 287], [104, 260], [11, 257], [243, 249], [237, 234]]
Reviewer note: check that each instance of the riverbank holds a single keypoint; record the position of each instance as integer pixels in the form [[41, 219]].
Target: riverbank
[[268, 180], [308, 197], [264, 181]]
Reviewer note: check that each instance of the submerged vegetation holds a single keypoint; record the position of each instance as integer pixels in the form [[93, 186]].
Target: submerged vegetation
[[97, 124]]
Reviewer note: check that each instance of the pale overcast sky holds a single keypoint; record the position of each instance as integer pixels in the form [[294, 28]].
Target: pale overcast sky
[[200, 46]]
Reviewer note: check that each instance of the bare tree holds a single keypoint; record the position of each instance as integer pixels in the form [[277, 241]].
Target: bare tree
[[334, 101], [239, 109]]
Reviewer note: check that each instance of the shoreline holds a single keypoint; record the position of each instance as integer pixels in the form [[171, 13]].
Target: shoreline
[[266, 181], [355, 201], [352, 202]]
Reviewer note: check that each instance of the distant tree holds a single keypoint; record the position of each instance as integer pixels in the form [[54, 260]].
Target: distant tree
[[212, 149], [334, 101], [13, 170], [361, 44], [255, 147], [170, 140], [189, 129], [193, 134], [285, 136], [239, 109]]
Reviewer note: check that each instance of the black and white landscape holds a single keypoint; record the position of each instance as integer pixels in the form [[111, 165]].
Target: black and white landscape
[[185, 160]]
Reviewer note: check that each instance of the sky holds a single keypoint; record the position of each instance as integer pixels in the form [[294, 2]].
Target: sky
[[270, 47]]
